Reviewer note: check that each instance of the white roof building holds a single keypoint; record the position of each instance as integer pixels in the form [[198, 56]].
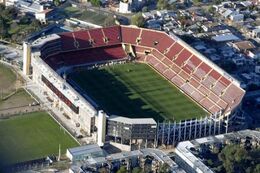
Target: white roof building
[[124, 7], [84, 152], [237, 17], [225, 37]]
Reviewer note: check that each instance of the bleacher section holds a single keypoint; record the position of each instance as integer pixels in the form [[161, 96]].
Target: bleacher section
[[86, 56], [180, 65], [91, 38], [199, 78]]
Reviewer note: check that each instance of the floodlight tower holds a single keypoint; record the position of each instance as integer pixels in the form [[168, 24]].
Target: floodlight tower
[[26, 58]]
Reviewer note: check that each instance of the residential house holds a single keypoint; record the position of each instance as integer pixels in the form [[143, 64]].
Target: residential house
[[243, 46]]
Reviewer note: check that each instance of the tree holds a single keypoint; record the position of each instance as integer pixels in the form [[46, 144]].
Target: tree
[[24, 20], [8, 13], [217, 2], [257, 168], [236, 159], [56, 2], [165, 168], [3, 28], [138, 20], [162, 4], [210, 162], [211, 10], [2, 7], [137, 170], [172, 6], [122, 170], [95, 3], [145, 9], [36, 24], [196, 1]]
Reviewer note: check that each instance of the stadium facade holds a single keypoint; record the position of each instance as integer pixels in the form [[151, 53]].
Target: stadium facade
[[50, 58]]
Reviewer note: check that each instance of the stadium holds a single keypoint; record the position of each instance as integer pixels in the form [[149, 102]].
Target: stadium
[[120, 83]]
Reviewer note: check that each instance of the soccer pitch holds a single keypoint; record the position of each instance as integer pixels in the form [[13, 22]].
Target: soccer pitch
[[31, 136], [136, 91]]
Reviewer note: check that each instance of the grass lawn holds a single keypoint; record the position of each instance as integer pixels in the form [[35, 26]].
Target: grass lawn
[[94, 17], [136, 90], [7, 77], [31, 136], [71, 11]]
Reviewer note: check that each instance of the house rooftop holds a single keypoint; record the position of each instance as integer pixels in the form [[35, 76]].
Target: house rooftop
[[244, 45]]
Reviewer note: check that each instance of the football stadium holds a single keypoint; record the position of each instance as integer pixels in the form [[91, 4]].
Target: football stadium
[[123, 83]]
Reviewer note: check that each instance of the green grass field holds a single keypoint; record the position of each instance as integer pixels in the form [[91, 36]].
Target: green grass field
[[137, 91], [88, 15], [31, 136]]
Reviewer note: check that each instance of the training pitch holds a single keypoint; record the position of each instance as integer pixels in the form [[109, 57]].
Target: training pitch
[[31, 136], [136, 91]]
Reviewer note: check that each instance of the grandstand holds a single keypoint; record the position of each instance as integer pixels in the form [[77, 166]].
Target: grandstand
[[192, 73]]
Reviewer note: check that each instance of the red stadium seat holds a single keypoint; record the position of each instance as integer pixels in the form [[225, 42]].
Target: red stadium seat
[[157, 54], [140, 49], [174, 50], [152, 61], [201, 71], [155, 39], [182, 57], [169, 74], [178, 81], [161, 67], [129, 35], [97, 37], [188, 89], [113, 34], [87, 56]]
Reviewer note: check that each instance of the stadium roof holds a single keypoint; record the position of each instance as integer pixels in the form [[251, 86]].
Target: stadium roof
[[43, 40], [132, 120]]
